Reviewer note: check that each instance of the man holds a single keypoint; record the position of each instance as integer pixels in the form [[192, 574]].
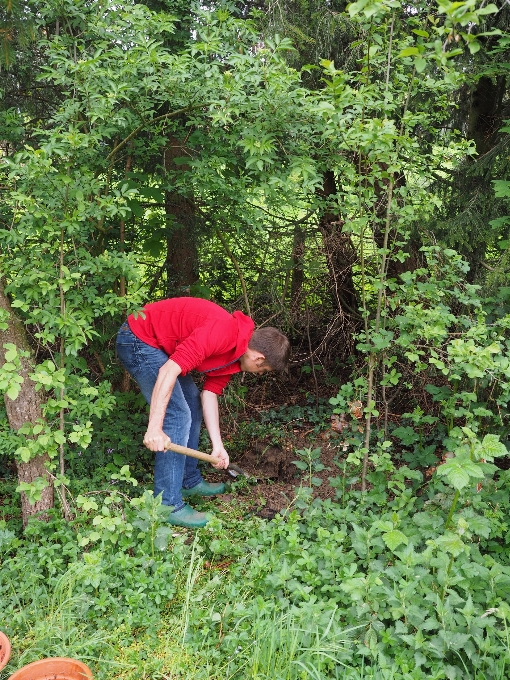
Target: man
[[159, 348]]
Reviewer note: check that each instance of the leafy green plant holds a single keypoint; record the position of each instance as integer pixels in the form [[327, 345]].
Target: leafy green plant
[[309, 461], [151, 519]]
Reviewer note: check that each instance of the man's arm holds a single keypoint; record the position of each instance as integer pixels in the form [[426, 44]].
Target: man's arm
[[155, 439], [212, 423]]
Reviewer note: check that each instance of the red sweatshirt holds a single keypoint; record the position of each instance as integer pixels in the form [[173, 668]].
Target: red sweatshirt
[[196, 334]]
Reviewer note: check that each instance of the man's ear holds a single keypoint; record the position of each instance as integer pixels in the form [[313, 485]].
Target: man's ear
[[255, 355]]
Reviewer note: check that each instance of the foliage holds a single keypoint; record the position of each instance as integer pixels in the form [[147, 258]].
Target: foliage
[[405, 578], [292, 180], [461, 353]]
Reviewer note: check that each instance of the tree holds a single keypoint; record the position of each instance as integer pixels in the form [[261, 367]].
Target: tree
[[69, 195], [24, 406]]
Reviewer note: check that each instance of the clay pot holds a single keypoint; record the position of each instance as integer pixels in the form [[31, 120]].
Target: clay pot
[[5, 650], [57, 668]]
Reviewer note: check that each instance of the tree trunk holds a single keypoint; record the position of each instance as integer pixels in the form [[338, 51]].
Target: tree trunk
[[26, 408], [340, 254], [485, 112], [298, 252], [182, 254]]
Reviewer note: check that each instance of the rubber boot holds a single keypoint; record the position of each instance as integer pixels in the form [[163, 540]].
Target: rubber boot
[[189, 518], [204, 489]]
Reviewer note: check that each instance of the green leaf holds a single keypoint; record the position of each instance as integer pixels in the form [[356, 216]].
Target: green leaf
[[11, 353], [459, 471], [474, 46], [13, 391], [163, 535], [501, 188], [481, 526], [409, 51], [492, 447], [24, 453], [488, 9], [59, 437], [136, 208], [451, 543], [420, 64], [395, 538], [182, 160], [141, 524]]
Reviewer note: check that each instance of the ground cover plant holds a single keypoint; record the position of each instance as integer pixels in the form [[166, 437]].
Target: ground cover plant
[[341, 171], [389, 583]]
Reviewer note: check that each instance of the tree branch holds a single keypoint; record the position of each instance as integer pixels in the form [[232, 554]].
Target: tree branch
[[172, 114]]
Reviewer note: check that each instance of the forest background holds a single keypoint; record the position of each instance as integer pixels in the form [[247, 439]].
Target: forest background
[[336, 170]]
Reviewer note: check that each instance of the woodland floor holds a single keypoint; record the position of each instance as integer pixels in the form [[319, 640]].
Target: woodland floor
[[276, 477]]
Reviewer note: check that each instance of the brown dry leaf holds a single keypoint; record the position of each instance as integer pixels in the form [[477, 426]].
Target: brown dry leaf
[[356, 409], [338, 422]]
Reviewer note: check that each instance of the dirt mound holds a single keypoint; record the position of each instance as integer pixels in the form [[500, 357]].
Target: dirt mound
[[269, 463]]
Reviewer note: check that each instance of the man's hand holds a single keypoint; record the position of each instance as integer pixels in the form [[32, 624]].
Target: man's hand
[[223, 458], [155, 439]]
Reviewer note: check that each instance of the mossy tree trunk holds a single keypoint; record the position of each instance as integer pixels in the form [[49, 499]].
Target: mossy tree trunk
[[26, 408]]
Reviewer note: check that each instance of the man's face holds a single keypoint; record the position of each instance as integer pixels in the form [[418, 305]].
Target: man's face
[[254, 362]]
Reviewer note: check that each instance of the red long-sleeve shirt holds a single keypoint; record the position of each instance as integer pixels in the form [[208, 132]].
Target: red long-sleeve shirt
[[196, 334]]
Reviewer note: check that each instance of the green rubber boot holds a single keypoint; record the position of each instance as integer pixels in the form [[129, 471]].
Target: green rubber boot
[[189, 518], [204, 489]]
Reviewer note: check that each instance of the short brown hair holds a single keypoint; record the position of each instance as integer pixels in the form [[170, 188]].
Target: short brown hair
[[275, 347]]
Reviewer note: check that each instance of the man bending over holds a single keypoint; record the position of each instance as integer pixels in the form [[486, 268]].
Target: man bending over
[[159, 348]]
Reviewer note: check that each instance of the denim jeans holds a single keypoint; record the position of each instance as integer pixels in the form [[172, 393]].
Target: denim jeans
[[183, 418]]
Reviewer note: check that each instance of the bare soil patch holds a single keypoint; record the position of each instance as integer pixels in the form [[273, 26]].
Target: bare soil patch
[[277, 477]]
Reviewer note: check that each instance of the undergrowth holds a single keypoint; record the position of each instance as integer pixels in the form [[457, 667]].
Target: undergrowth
[[407, 581]]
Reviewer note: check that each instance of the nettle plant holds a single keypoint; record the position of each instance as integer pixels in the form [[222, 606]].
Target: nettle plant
[[413, 570], [371, 117], [434, 327]]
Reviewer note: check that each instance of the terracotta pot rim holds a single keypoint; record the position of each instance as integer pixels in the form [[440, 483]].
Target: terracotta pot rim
[[70, 669], [5, 646]]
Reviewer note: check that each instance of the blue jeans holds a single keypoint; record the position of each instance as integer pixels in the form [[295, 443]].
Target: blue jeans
[[183, 418]]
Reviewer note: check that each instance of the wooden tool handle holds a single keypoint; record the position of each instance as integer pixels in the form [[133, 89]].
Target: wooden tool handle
[[191, 452]]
